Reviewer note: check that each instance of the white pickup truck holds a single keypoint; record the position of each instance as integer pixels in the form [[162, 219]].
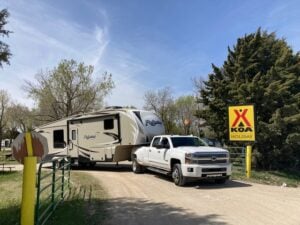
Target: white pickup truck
[[183, 157]]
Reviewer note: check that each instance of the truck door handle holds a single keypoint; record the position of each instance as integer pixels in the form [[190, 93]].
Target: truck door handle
[[158, 151], [149, 150]]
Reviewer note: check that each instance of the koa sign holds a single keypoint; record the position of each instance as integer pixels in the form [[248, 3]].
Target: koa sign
[[241, 123]]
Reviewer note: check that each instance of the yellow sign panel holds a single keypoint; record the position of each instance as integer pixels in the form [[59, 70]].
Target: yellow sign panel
[[241, 123]]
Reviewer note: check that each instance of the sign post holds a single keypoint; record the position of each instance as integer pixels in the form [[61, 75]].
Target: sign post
[[28, 191], [28, 149], [242, 128]]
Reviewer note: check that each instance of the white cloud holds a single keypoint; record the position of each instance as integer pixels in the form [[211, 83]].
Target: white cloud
[[41, 41]]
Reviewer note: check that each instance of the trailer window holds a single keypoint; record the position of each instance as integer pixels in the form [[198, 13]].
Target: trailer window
[[73, 134], [108, 124], [58, 139]]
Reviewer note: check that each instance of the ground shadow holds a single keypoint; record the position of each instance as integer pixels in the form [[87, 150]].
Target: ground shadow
[[204, 184], [128, 211], [105, 167], [143, 212]]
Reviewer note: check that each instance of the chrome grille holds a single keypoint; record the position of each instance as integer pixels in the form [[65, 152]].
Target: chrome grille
[[209, 158], [209, 161]]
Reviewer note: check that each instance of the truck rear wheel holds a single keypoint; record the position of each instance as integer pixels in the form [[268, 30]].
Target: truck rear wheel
[[136, 167], [177, 176]]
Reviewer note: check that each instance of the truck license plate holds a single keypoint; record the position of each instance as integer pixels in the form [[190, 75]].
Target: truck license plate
[[214, 175]]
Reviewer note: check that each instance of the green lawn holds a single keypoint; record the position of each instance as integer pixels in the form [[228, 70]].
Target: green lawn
[[291, 179], [5, 160], [84, 205]]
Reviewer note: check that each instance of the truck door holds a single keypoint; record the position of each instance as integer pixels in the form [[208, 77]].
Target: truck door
[[163, 154], [158, 152], [154, 151]]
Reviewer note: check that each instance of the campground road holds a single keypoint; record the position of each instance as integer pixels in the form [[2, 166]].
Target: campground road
[[151, 199]]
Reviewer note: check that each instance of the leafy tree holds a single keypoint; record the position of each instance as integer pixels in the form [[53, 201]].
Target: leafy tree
[[263, 70], [162, 102], [4, 103], [185, 114], [20, 118], [4, 48], [68, 90]]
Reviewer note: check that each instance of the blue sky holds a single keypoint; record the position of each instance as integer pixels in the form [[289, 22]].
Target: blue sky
[[146, 45]]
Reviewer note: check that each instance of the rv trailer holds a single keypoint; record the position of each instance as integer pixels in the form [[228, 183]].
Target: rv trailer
[[108, 135]]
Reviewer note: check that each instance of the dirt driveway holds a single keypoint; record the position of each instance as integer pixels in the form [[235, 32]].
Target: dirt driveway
[[150, 199]]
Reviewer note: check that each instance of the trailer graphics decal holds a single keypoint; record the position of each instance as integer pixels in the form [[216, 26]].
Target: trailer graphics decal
[[153, 122], [241, 123]]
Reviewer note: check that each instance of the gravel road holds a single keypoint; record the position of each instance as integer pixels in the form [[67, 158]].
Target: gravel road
[[151, 199]]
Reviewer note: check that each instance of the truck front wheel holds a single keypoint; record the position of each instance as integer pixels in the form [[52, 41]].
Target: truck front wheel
[[136, 167], [177, 176]]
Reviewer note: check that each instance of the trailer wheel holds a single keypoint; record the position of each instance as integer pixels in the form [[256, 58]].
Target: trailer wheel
[[136, 167], [177, 176]]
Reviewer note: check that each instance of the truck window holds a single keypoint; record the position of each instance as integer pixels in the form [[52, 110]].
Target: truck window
[[155, 142], [165, 143], [187, 141], [108, 124], [73, 135], [58, 139]]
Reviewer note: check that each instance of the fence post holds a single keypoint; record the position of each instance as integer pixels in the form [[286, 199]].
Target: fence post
[[53, 184], [37, 206], [248, 161], [63, 178]]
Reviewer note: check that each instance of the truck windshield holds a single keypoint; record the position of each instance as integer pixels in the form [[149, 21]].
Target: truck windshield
[[186, 141]]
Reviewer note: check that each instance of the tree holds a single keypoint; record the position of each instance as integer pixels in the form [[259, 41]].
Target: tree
[[161, 102], [263, 70], [4, 48], [20, 118], [4, 103], [68, 90], [185, 114]]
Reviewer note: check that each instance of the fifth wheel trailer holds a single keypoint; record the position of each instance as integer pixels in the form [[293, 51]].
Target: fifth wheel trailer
[[108, 135]]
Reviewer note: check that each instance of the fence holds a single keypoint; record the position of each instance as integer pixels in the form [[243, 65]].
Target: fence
[[53, 184], [238, 158]]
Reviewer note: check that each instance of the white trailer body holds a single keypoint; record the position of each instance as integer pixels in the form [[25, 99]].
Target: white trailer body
[[105, 136]]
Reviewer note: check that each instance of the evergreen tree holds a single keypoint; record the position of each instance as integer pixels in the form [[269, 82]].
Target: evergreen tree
[[4, 48], [263, 70]]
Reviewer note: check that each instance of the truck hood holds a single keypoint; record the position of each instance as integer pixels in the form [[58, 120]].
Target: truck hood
[[200, 149]]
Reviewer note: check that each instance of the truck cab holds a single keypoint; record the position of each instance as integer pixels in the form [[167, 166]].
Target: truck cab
[[184, 158]]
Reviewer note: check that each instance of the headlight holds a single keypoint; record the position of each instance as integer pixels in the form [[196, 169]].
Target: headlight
[[228, 157], [188, 158]]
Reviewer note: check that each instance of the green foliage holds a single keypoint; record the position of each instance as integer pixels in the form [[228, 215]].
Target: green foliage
[[4, 48], [162, 102], [68, 90], [263, 70], [185, 108], [178, 115], [4, 104]]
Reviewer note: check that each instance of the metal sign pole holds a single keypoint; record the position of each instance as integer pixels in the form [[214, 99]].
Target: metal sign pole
[[248, 161], [29, 179]]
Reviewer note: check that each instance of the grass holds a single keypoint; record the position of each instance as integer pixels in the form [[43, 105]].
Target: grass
[[289, 178], [84, 204], [10, 195], [3, 159]]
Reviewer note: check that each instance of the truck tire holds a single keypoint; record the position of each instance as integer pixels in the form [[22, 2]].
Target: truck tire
[[177, 176], [136, 167]]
